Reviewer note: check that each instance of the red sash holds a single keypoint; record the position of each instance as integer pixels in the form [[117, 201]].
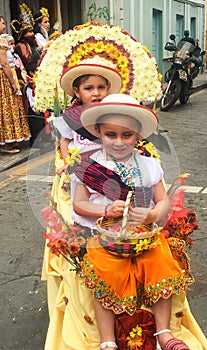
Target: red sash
[[107, 182]]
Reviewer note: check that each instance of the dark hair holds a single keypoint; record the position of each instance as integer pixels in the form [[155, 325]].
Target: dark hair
[[79, 80], [1, 17], [186, 33], [100, 120], [38, 20]]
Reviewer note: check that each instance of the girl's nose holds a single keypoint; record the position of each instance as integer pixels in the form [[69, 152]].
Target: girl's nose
[[118, 141], [96, 92]]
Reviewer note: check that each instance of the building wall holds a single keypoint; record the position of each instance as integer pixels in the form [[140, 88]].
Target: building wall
[[151, 22]]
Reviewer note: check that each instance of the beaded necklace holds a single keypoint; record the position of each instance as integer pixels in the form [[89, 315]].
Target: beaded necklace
[[126, 178]]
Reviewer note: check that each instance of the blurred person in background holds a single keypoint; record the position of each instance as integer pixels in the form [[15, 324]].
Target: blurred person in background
[[41, 27], [13, 122]]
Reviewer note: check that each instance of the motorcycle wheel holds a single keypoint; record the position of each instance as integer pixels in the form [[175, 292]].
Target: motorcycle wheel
[[184, 94], [168, 100]]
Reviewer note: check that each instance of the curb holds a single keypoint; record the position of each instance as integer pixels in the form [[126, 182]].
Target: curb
[[23, 156]]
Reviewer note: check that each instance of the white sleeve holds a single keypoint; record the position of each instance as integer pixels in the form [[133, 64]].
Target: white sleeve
[[63, 128], [40, 39], [30, 97], [157, 171]]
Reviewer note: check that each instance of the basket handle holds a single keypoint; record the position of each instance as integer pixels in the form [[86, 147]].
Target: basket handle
[[125, 214]]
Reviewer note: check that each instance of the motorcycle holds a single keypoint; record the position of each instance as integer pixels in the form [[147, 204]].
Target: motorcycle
[[185, 67]]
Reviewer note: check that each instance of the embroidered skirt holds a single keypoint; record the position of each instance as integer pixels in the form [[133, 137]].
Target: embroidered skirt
[[122, 284], [13, 122]]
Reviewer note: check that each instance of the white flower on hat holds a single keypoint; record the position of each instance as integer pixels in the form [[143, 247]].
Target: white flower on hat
[[114, 47]]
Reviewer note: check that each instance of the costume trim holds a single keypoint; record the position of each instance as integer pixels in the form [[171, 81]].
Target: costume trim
[[147, 296]]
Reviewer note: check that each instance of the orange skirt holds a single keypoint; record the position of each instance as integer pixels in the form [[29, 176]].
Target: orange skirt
[[123, 284]]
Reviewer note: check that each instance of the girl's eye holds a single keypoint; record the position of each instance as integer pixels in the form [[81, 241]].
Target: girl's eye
[[110, 134], [128, 134], [102, 87]]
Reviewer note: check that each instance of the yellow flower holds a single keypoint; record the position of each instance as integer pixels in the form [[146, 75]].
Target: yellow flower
[[74, 156], [135, 340], [114, 46], [142, 245]]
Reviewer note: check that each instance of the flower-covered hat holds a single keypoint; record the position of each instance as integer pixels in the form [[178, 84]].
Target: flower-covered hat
[[113, 47], [90, 66], [121, 104]]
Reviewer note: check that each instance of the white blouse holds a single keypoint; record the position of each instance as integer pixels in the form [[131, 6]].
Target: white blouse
[[77, 140], [151, 173]]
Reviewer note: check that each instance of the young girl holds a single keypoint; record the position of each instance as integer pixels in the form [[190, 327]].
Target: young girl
[[153, 276], [90, 81]]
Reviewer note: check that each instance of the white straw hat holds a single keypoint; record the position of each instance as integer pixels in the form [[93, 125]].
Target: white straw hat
[[90, 66], [121, 104]]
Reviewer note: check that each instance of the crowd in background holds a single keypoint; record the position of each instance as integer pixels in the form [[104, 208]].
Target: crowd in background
[[19, 57]]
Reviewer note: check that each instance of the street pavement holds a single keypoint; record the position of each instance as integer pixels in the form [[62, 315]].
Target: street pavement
[[181, 142]]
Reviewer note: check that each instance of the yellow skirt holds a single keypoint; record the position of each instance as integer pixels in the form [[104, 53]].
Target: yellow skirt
[[53, 265], [73, 326]]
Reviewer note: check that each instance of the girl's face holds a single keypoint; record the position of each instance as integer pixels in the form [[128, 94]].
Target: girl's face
[[45, 23], [2, 25], [119, 135], [91, 90]]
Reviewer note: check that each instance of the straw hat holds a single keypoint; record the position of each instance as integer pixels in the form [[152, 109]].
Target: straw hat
[[90, 66], [120, 104]]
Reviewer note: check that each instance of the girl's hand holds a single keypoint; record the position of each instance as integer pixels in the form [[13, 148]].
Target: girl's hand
[[61, 170], [115, 209], [140, 216]]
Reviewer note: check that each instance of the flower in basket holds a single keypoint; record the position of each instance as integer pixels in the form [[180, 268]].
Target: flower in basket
[[63, 239]]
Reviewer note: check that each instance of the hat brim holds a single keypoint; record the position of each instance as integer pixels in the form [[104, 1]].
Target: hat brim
[[143, 114], [70, 74]]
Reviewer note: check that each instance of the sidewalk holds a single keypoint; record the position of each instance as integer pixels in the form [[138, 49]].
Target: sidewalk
[[8, 161]]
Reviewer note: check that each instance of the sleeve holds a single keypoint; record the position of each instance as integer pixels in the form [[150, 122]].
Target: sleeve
[[63, 128], [157, 172], [41, 41], [30, 97], [151, 170]]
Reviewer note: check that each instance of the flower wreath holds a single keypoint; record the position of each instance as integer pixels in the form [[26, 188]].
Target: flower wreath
[[113, 46]]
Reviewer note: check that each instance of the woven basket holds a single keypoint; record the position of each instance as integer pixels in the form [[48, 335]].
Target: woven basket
[[134, 243]]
